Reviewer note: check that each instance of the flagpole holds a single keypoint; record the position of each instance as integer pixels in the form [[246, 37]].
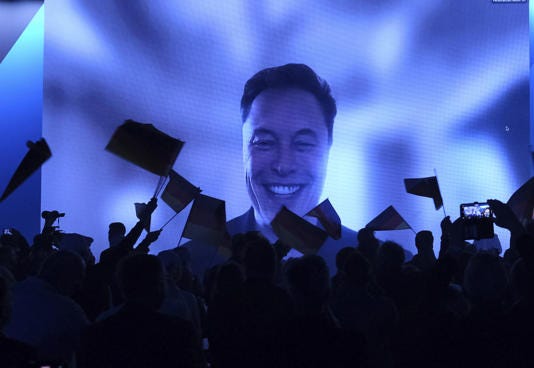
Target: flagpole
[[169, 220], [443, 204]]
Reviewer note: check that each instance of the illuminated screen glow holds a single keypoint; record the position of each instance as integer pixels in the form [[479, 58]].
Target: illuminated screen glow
[[420, 85]]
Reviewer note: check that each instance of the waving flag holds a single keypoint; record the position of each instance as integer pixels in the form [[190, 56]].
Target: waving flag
[[206, 221], [179, 192], [328, 217], [425, 187], [298, 233], [37, 154], [389, 219], [145, 146]]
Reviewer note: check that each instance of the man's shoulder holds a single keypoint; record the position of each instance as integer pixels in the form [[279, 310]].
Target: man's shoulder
[[242, 223]]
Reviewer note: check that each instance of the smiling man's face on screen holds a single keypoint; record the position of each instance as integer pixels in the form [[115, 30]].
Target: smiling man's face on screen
[[285, 150]]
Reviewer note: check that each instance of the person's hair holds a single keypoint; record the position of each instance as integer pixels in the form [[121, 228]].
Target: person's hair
[[64, 270], [291, 76], [259, 260], [423, 239], [342, 255], [117, 227], [140, 278], [308, 280], [357, 269]]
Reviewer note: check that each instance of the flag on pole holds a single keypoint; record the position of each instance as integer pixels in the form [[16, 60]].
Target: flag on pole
[[298, 233], [328, 217], [37, 154], [206, 221], [179, 192], [389, 219], [522, 202], [425, 187], [145, 146]]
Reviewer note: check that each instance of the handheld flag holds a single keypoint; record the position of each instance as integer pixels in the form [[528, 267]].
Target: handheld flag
[[37, 154], [328, 217], [145, 146], [522, 202], [206, 221], [179, 192], [389, 219], [298, 233], [425, 187]]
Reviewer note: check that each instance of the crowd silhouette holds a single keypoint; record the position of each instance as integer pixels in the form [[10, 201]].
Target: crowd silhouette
[[451, 305]]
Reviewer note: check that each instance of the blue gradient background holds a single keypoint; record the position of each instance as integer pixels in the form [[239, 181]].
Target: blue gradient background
[[21, 105], [420, 85]]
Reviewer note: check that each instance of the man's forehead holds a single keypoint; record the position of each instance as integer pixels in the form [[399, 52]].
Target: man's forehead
[[290, 109]]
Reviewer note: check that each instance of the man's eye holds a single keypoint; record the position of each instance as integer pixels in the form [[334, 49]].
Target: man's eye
[[263, 144], [304, 145]]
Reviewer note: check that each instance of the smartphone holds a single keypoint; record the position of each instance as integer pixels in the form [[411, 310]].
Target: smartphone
[[477, 219]]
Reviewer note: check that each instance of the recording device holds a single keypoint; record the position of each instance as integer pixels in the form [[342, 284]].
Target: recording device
[[7, 232], [51, 214], [477, 220]]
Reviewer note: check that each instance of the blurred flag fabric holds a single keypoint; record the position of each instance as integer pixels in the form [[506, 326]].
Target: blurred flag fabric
[[206, 221], [140, 209], [522, 202], [425, 187], [37, 154], [179, 192], [298, 233], [145, 146], [328, 217], [389, 219]]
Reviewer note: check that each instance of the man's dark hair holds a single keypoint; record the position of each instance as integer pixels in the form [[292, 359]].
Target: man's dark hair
[[117, 227], [291, 76]]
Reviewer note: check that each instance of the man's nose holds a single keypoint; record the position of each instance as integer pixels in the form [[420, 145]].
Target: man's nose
[[284, 163]]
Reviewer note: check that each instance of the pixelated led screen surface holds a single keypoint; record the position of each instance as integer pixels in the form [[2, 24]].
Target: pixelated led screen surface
[[420, 85]]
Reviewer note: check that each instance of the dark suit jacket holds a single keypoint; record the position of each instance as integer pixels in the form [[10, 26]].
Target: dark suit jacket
[[205, 256]]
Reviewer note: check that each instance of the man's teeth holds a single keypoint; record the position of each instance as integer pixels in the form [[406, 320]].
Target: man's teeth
[[284, 189]]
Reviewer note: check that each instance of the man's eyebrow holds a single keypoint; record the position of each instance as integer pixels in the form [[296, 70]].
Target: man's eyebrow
[[307, 132], [263, 131]]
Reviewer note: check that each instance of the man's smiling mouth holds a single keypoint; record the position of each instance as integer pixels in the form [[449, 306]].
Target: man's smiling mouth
[[283, 189]]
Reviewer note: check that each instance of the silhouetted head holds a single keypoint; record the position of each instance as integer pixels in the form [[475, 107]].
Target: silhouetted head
[[116, 233], [309, 283], [341, 257], [390, 256], [357, 269], [485, 279], [424, 241], [141, 280], [229, 279], [259, 261], [65, 270]]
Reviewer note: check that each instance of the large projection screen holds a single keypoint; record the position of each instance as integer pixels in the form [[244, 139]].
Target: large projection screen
[[420, 86]]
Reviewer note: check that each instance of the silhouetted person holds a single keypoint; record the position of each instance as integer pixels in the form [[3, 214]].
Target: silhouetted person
[[44, 316], [425, 258], [313, 337], [137, 335], [13, 353], [359, 310], [484, 334], [368, 245], [338, 278]]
